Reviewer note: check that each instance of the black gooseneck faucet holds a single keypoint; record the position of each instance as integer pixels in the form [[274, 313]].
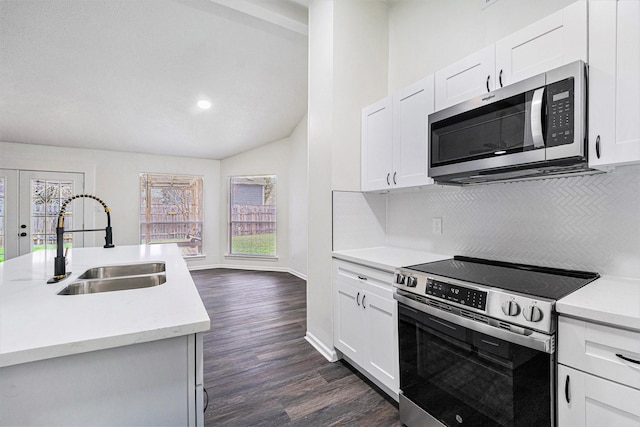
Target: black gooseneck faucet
[[59, 271]]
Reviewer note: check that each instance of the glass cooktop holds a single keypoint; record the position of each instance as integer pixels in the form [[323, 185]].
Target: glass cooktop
[[543, 282]]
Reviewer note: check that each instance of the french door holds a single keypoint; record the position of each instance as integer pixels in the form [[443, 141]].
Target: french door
[[29, 205]]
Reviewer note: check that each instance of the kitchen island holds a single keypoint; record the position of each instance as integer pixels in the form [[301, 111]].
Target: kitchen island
[[129, 357]]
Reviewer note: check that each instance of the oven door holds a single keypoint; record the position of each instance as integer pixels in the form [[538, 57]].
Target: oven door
[[453, 375]]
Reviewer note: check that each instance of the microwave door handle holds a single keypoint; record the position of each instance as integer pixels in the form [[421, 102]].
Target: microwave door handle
[[536, 118]]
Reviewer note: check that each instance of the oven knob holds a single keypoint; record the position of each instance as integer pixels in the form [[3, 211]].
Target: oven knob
[[412, 282], [510, 308], [400, 279], [532, 314]]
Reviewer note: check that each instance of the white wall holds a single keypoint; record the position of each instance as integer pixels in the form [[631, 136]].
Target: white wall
[[286, 159], [298, 200], [425, 36], [114, 177], [347, 69]]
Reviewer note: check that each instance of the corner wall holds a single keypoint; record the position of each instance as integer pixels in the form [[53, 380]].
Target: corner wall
[[286, 159]]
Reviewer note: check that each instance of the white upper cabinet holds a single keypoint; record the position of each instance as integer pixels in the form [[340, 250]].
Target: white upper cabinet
[[558, 39], [466, 78], [551, 42], [376, 151], [614, 83], [411, 106], [394, 139]]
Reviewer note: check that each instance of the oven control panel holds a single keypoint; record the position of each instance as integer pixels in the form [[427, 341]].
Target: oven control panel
[[458, 294]]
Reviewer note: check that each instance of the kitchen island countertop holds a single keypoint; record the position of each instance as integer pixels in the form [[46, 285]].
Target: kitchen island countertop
[[37, 324]]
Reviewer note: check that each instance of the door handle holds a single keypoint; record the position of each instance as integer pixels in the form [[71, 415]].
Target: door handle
[[566, 390], [536, 118]]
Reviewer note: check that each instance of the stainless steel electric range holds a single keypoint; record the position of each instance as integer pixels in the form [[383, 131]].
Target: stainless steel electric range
[[477, 341]]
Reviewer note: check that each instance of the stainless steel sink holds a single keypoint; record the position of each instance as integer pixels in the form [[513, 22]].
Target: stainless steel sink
[[113, 284], [123, 270]]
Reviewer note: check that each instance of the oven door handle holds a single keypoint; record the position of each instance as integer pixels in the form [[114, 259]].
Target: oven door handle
[[534, 340]]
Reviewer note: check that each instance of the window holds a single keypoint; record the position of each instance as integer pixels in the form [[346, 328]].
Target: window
[[171, 211], [252, 213], [47, 196]]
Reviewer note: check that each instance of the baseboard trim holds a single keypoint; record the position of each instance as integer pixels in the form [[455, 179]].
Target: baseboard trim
[[328, 353]]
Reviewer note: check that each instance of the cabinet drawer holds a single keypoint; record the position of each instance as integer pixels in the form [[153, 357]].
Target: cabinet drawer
[[370, 279], [597, 349]]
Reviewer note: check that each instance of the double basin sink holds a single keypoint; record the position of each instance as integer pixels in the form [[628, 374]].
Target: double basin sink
[[117, 278]]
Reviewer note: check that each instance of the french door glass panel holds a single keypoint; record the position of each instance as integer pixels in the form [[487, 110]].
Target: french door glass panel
[[41, 197]]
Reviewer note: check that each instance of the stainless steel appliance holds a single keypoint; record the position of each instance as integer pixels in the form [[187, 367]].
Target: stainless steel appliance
[[477, 342], [535, 127]]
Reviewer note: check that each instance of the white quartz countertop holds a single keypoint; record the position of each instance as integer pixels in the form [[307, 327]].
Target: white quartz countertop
[[36, 323], [387, 258], [609, 299]]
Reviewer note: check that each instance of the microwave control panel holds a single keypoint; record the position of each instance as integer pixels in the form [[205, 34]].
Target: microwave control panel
[[560, 110]]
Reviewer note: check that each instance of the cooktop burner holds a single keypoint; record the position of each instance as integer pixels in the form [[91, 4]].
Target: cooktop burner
[[543, 282]]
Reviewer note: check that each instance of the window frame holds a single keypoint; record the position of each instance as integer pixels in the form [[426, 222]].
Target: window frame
[[199, 203], [230, 253]]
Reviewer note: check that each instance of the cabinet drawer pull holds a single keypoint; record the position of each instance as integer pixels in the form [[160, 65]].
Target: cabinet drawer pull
[[598, 146], [362, 278], [358, 299], [488, 90], [637, 362], [566, 390], [394, 178], [388, 175], [363, 297], [500, 78]]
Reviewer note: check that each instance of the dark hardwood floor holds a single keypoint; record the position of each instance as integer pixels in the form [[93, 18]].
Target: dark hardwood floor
[[260, 371]]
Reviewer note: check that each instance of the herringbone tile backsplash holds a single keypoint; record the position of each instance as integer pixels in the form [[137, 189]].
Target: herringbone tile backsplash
[[587, 222]]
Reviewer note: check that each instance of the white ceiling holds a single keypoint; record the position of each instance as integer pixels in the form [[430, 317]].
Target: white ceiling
[[126, 74]]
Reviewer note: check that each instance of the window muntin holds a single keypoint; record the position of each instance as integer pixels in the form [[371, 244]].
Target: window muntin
[[171, 211], [252, 215]]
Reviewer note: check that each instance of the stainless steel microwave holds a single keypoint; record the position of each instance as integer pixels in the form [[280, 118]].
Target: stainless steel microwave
[[532, 128]]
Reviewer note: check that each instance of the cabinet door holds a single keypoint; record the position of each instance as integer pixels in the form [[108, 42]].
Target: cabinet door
[[553, 41], [348, 323], [381, 335], [411, 106], [465, 79], [588, 401], [377, 151], [614, 83]]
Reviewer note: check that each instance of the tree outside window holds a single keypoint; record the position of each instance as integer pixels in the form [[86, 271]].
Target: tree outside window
[[252, 213], [171, 211]]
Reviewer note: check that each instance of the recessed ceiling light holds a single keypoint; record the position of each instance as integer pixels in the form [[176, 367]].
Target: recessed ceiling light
[[204, 104]]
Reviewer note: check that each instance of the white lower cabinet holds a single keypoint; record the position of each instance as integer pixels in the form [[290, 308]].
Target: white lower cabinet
[[155, 383], [598, 375], [365, 322], [585, 400]]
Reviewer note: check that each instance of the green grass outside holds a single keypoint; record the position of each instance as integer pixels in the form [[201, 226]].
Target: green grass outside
[[257, 244], [1, 254]]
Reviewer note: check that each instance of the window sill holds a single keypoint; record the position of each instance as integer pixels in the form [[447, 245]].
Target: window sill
[[254, 257]]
